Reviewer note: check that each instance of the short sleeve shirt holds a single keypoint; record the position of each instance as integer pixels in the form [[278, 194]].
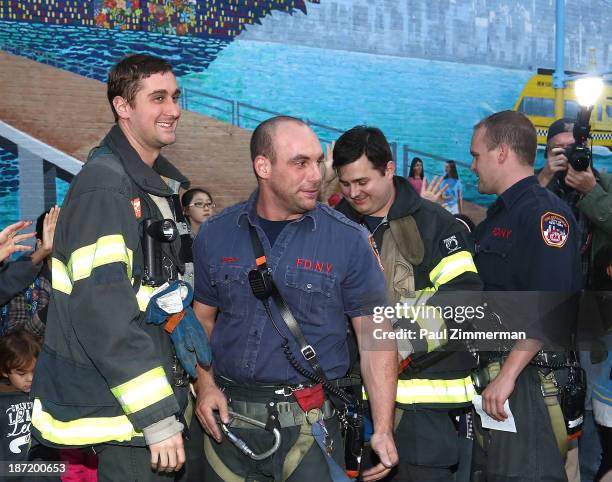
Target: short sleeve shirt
[[528, 243], [322, 264]]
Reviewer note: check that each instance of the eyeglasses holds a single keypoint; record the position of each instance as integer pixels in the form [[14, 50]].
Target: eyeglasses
[[202, 205]]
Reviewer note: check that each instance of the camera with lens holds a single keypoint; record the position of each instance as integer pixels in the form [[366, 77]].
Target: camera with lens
[[579, 153]]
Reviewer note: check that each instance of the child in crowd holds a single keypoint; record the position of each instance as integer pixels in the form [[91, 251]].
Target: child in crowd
[[19, 350]]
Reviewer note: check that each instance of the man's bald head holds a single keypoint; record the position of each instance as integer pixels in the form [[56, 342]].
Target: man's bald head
[[262, 140]]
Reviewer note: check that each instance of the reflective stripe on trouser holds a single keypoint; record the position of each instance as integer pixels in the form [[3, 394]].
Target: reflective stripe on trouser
[[84, 431], [143, 391]]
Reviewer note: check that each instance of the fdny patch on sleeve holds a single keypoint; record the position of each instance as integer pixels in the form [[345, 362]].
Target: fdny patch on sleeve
[[555, 229], [136, 206], [375, 251], [453, 243]]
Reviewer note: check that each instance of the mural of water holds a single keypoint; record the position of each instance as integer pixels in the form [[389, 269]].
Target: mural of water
[[91, 51], [428, 105]]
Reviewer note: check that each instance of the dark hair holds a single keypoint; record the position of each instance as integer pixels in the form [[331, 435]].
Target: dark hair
[[453, 174], [17, 349], [361, 140], [511, 128], [413, 163], [188, 196], [39, 224], [262, 139], [558, 127], [124, 78]]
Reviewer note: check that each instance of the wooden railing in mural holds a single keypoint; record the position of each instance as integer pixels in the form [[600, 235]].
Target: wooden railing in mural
[[247, 116]]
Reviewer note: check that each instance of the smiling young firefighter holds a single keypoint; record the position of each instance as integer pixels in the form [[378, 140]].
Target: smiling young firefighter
[[105, 379], [425, 253]]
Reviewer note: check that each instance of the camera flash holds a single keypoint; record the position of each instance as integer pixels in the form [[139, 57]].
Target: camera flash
[[588, 90]]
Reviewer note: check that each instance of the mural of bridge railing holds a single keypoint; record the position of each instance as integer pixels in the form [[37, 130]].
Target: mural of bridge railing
[[39, 165], [248, 116]]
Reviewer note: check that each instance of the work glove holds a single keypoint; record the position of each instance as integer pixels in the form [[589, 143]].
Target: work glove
[[170, 306]]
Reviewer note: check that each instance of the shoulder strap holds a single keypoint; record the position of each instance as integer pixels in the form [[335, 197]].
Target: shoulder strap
[[307, 351]]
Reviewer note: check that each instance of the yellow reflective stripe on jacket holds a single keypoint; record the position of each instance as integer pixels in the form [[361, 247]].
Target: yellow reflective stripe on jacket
[[84, 431], [60, 280], [143, 391], [143, 296], [435, 326], [426, 317], [106, 250], [452, 266], [419, 390]]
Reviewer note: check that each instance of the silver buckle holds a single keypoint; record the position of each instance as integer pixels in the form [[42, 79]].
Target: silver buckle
[[308, 352]]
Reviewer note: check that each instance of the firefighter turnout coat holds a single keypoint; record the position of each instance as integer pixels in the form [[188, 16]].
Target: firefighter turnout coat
[[103, 374], [427, 258]]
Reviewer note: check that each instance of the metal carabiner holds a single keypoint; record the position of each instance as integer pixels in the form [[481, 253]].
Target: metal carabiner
[[242, 445]]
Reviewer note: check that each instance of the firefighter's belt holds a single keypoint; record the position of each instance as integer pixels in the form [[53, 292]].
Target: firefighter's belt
[[289, 413]]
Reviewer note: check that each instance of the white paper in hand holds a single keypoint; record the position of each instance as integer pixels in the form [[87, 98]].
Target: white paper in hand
[[507, 425]]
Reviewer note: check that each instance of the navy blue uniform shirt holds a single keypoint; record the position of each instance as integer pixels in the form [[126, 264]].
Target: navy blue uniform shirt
[[324, 267], [529, 243]]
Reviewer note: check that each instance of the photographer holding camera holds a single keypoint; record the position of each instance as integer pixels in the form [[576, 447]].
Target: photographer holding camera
[[589, 194]]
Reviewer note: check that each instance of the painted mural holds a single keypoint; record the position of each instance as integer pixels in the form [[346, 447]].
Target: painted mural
[[208, 18], [291, 57]]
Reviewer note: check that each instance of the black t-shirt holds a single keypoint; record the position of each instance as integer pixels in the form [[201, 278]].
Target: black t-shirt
[[272, 228], [15, 419], [372, 222]]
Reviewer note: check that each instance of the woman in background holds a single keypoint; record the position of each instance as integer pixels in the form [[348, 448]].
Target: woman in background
[[452, 196], [198, 206], [416, 174]]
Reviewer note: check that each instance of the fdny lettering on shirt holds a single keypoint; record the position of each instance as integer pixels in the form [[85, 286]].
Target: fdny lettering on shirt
[[501, 232], [314, 265], [555, 229], [230, 259], [136, 206]]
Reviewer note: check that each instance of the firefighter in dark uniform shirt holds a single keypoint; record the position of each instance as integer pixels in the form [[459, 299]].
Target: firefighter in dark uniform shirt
[[527, 245]]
